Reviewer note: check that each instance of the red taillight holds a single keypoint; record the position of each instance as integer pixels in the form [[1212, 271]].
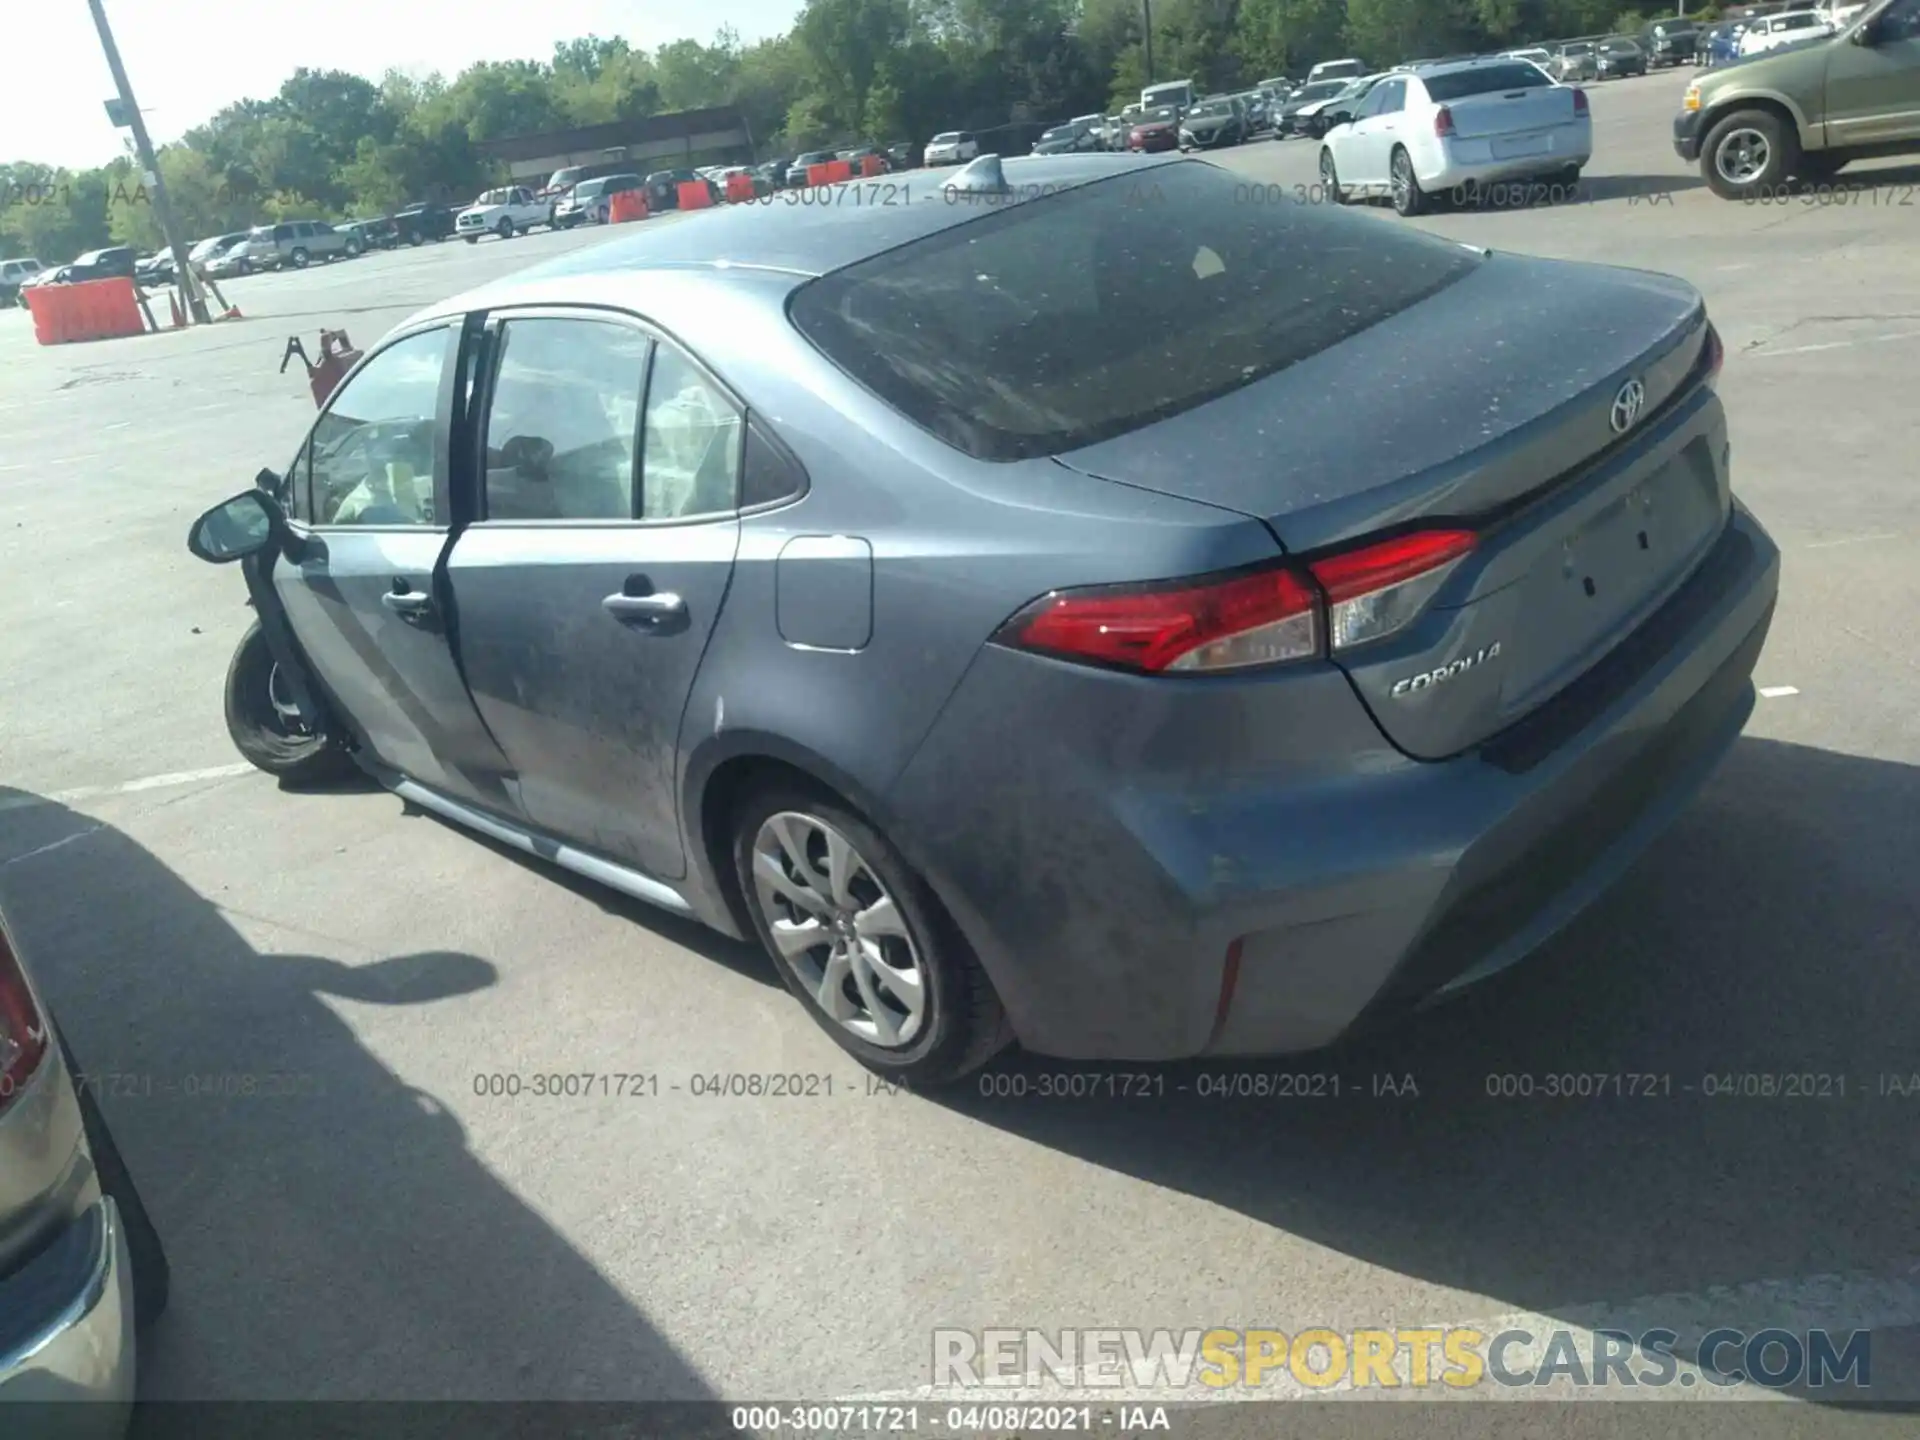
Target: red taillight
[[1443, 122], [1580, 101], [1251, 618], [23, 1030], [1378, 588], [1248, 618]]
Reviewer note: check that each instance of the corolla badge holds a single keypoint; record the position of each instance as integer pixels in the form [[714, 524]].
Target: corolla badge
[[1627, 406], [1426, 679]]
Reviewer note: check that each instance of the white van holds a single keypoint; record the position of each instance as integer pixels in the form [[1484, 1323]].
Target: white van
[[1348, 69], [1177, 93]]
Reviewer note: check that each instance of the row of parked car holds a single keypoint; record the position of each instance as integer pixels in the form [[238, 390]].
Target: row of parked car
[[285, 245]]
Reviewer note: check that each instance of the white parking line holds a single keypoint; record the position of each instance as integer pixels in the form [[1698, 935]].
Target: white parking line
[[1852, 540], [64, 840], [1837, 1303], [129, 787], [1775, 692], [1762, 354]]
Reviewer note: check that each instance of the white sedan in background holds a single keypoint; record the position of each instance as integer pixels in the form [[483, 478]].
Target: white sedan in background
[[1770, 32], [1468, 123]]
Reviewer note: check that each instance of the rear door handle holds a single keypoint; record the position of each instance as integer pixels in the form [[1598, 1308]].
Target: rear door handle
[[645, 609]]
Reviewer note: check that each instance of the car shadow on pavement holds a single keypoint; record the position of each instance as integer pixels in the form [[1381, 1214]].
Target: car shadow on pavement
[[1771, 932], [331, 1233], [746, 960]]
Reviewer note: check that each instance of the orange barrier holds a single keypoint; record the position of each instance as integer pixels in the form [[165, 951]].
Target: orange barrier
[[627, 205], [817, 175], [871, 165], [739, 188], [694, 195], [838, 170], [90, 310]]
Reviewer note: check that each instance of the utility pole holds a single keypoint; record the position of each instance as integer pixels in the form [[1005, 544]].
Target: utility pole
[[196, 300], [1146, 10]]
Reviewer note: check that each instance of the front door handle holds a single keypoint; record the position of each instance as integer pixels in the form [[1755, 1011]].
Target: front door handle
[[645, 609], [408, 603]]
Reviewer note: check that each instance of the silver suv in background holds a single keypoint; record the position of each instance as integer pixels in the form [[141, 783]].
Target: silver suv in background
[[293, 244], [14, 273], [80, 1263], [591, 201]]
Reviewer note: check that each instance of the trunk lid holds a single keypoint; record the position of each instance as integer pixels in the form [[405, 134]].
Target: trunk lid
[[1512, 112], [1491, 402]]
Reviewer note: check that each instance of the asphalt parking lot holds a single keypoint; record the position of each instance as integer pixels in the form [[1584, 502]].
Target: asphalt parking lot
[[375, 1228]]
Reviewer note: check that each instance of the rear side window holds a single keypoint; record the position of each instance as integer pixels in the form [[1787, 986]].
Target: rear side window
[[1053, 324], [1485, 80], [692, 445]]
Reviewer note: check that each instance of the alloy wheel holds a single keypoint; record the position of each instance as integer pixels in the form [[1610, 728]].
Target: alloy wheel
[[1743, 156], [837, 927]]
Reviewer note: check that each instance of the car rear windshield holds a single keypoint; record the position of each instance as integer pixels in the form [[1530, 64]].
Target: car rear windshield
[[1484, 80], [1047, 325]]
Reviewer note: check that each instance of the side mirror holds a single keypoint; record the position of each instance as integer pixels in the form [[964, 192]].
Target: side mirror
[[236, 528], [1339, 117]]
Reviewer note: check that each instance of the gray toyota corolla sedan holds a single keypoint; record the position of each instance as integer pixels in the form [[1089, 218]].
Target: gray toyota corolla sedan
[[1065, 602]]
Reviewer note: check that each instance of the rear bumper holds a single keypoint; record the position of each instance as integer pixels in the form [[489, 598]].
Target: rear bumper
[[69, 1323], [1104, 846], [1472, 162]]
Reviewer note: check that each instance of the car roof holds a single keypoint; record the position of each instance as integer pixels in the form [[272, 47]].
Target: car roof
[[1456, 67], [791, 244]]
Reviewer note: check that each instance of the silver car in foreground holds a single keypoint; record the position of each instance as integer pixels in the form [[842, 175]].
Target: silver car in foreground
[[987, 603], [80, 1263]]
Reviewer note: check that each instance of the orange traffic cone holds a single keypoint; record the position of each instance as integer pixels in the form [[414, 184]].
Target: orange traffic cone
[[233, 313]]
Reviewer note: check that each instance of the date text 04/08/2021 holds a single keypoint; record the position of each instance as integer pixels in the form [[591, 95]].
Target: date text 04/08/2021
[[651, 1085], [919, 1418]]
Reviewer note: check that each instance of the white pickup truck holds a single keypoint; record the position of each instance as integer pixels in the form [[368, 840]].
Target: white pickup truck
[[506, 212]]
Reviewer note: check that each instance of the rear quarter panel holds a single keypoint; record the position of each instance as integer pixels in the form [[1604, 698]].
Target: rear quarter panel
[[958, 546]]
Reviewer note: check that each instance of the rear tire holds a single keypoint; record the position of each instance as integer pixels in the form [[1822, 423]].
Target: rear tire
[[961, 1024], [299, 259], [1330, 187], [1747, 154], [1408, 198], [152, 1275], [266, 737]]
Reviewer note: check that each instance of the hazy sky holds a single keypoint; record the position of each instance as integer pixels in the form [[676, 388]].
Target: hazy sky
[[188, 58]]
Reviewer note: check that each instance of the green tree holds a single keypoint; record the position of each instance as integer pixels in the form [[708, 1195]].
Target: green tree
[[1391, 32], [1288, 37], [844, 42], [692, 76]]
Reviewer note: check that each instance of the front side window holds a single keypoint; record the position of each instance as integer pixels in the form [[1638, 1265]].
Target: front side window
[[691, 462], [371, 454], [1056, 323], [562, 420], [1899, 21]]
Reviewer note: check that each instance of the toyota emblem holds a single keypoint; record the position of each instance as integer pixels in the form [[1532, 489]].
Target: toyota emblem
[[1627, 405]]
